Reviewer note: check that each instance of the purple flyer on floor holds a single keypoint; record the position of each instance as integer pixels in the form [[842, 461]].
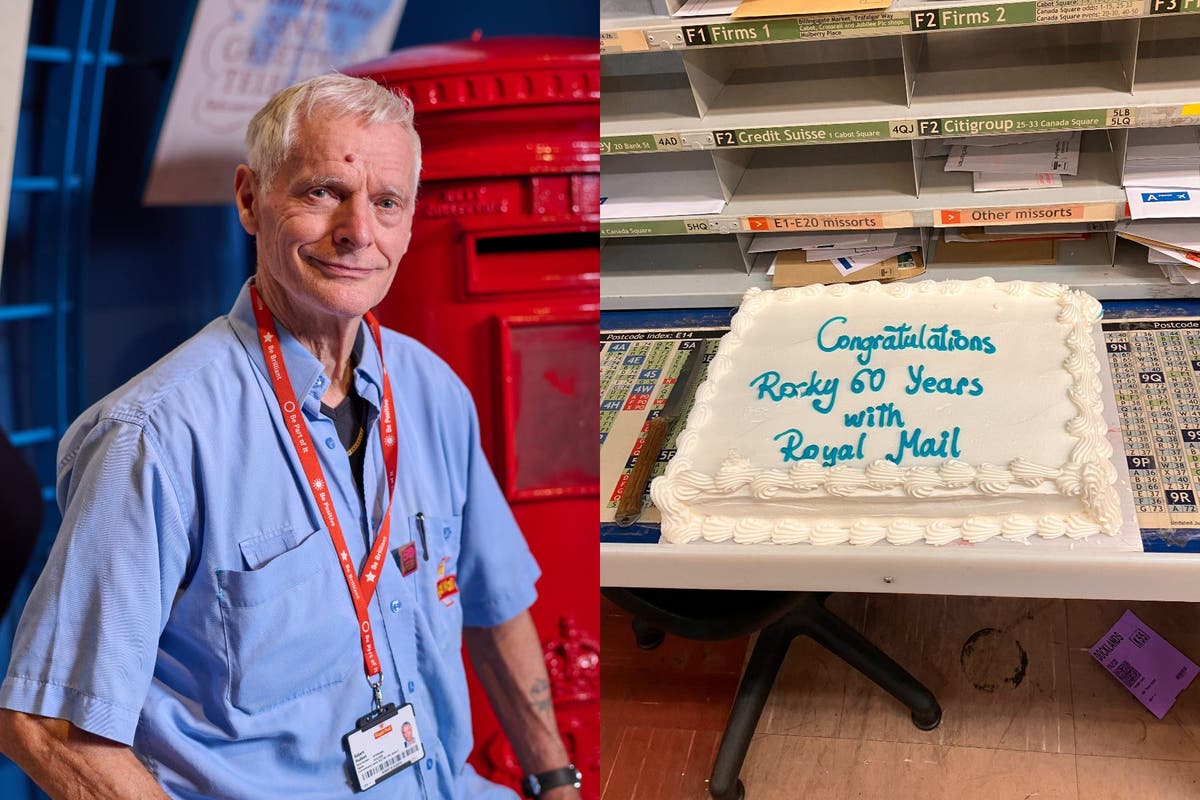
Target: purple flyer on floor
[[1148, 666]]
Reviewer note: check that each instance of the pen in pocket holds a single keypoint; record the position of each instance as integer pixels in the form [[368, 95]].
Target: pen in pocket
[[421, 532]]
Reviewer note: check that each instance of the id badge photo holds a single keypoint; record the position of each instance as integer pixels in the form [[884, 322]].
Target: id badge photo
[[383, 743]]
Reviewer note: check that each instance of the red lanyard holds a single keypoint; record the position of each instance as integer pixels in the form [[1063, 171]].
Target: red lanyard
[[361, 589]]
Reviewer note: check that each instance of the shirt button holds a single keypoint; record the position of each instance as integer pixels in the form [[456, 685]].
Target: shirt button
[[329, 442], [412, 687], [446, 533], [429, 763], [395, 606]]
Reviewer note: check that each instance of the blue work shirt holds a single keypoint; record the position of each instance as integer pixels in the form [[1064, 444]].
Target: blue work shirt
[[193, 605]]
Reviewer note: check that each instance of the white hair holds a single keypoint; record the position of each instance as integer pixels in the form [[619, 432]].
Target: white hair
[[271, 134]]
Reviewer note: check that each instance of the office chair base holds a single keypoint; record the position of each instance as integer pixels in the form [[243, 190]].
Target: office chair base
[[647, 636], [809, 617], [779, 617], [737, 793]]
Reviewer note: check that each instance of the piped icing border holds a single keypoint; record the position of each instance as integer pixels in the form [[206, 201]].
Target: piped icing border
[[1088, 475]]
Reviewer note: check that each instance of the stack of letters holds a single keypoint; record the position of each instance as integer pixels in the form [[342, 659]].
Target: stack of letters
[[1021, 161], [849, 256], [1173, 244], [1162, 172]]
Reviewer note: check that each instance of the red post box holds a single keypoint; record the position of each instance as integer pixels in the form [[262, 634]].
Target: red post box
[[502, 280]]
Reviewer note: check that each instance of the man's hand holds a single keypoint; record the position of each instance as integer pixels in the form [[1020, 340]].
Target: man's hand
[[508, 660], [69, 763]]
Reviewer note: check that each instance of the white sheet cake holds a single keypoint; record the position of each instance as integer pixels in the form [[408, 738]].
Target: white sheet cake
[[908, 412]]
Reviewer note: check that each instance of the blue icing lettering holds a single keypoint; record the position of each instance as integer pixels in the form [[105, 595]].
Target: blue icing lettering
[[920, 382], [794, 449], [902, 336], [771, 386], [884, 415], [914, 443]]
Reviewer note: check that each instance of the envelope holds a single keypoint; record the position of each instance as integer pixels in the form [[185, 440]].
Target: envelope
[[849, 263], [1171, 174], [774, 242], [1162, 203], [706, 8], [693, 188], [1058, 154], [783, 8], [1182, 234], [790, 271], [1002, 182]]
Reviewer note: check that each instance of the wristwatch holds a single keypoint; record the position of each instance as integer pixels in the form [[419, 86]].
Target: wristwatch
[[534, 785]]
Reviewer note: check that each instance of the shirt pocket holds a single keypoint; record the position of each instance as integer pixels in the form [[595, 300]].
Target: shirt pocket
[[289, 625], [438, 588]]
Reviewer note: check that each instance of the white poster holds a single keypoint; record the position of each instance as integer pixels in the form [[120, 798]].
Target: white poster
[[14, 33], [238, 54]]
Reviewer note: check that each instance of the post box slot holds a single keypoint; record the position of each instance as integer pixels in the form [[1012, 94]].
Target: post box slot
[[564, 261]]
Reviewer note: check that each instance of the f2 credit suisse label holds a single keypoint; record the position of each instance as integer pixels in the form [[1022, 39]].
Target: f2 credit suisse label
[[1084, 119], [787, 135]]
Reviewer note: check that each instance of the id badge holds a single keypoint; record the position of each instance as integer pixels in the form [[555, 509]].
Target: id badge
[[383, 743]]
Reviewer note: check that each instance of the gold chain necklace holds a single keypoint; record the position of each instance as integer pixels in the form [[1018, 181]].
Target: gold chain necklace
[[357, 441]]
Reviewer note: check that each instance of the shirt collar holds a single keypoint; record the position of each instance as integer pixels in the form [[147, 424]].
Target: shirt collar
[[368, 370], [304, 369]]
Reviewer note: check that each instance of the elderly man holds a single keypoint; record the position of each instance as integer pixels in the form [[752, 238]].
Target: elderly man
[[248, 597]]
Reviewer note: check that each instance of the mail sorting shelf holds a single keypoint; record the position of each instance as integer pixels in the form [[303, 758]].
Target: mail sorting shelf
[[653, 20], [1088, 66], [833, 179], [712, 271], [869, 177], [786, 180], [639, 272]]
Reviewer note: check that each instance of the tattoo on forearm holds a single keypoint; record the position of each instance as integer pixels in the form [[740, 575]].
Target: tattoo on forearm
[[539, 696]]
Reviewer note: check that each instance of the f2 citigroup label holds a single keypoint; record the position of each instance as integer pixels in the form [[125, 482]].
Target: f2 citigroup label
[[1082, 119]]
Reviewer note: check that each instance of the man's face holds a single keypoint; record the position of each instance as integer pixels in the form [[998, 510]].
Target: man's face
[[406, 732], [333, 226]]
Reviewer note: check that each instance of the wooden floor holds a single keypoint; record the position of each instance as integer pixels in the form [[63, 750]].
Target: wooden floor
[[1028, 714]]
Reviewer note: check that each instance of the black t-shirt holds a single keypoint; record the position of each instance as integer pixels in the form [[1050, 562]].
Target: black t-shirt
[[350, 420]]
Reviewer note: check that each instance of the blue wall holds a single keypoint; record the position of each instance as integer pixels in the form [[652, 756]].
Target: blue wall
[[150, 277]]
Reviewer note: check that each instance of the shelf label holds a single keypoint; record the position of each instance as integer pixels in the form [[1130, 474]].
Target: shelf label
[[982, 16], [829, 222], [789, 135], [656, 227], [667, 141], [802, 134], [1024, 215], [1173, 6], [622, 42], [1080, 10], [834, 26], [644, 143], [882, 23], [1016, 123], [1122, 118], [770, 30]]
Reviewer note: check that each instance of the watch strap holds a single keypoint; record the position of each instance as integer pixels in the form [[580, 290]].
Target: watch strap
[[533, 785]]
